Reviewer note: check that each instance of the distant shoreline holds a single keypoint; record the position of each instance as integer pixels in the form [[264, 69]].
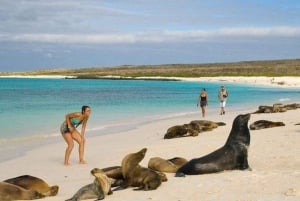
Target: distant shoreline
[[285, 81]]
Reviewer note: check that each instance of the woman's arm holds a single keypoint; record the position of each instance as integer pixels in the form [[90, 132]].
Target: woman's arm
[[69, 117], [84, 126]]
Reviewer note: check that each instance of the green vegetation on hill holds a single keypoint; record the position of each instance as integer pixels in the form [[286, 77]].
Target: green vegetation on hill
[[246, 68]]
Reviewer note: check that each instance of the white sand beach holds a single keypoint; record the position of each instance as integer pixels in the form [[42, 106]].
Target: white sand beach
[[291, 82], [274, 157]]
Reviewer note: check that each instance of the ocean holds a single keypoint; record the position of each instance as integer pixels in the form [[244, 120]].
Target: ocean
[[33, 109]]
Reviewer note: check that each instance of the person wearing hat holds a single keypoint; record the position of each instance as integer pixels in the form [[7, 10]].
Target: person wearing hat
[[222, 95]]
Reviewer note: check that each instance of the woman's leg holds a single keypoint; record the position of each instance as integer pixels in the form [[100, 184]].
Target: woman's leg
[[78, 138], [69, 140], [203, 111]]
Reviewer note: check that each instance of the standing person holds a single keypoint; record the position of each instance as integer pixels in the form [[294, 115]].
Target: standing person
[[70, 133], [203, 101], [223, 94]]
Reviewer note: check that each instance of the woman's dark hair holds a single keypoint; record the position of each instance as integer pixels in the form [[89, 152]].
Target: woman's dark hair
[[83, 108]]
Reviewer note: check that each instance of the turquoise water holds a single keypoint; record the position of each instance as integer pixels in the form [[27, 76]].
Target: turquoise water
[[36, 107]]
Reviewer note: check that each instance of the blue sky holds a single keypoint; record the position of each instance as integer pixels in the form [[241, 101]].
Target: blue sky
[[43, 34]]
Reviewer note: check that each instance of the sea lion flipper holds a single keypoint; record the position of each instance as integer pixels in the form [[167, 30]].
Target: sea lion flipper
[[179, 174]]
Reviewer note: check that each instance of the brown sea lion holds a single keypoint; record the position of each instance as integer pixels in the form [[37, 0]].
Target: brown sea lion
[[103, 180], [180, 131], [114, 173], [179, 161], [96, 190], [137, 176], [261, 124], [9, 192], [33, 183], [233, 155], [164, 165]]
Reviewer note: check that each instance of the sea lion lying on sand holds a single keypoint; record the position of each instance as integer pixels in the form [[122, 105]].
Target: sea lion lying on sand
[[192, 129], [96, 190], [33, 183], [9, 192], [163, 165], [233, 155], [261, 124]]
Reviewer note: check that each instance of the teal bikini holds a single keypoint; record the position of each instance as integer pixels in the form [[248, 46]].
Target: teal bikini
[[64, 127]]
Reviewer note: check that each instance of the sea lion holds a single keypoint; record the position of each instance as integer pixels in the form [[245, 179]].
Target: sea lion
[[137, 176], [9, 192], [261, 124], [114, 173], [179, 161], [233, 155], [180, 131], [164, 165], [96, 190], [33, 183]]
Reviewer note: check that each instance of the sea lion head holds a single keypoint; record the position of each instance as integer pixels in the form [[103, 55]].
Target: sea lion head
[[54, 190], [102, 180], [132, 160], [240, 132]]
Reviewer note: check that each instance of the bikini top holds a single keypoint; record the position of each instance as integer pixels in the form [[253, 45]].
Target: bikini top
[[75, 122]]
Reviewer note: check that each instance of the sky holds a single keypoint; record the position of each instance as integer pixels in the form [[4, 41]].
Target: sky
[[43, 34]]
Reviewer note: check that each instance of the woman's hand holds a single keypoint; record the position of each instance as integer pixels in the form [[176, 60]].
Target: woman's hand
[[71, 128]]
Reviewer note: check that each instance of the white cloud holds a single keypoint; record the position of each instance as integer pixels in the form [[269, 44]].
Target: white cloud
[[154, 37]]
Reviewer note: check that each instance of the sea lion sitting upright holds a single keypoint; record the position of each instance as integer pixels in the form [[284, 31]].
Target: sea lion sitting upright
[[233, 155], [137, 176], [9, 192], [33, 183]]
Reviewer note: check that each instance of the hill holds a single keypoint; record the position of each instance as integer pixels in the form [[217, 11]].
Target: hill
[[272, 68]]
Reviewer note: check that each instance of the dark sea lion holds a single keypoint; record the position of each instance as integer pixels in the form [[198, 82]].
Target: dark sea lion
[[96, 190], [164, 165], [261, 124], [137, 176], [233, 155], [33, 183], [9, 192]]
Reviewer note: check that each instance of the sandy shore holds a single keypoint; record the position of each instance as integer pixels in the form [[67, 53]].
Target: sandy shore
[[274, 156], [291, 82]]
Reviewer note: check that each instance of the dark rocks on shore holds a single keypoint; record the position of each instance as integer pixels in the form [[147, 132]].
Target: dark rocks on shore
[[192, 129]]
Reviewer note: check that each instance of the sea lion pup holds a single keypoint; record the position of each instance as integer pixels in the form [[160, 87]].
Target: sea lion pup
[[163, 165], [33, 183], [137, 176], [233, 155], [114, 173], [9, 192], [261, 124], [96, 190]]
